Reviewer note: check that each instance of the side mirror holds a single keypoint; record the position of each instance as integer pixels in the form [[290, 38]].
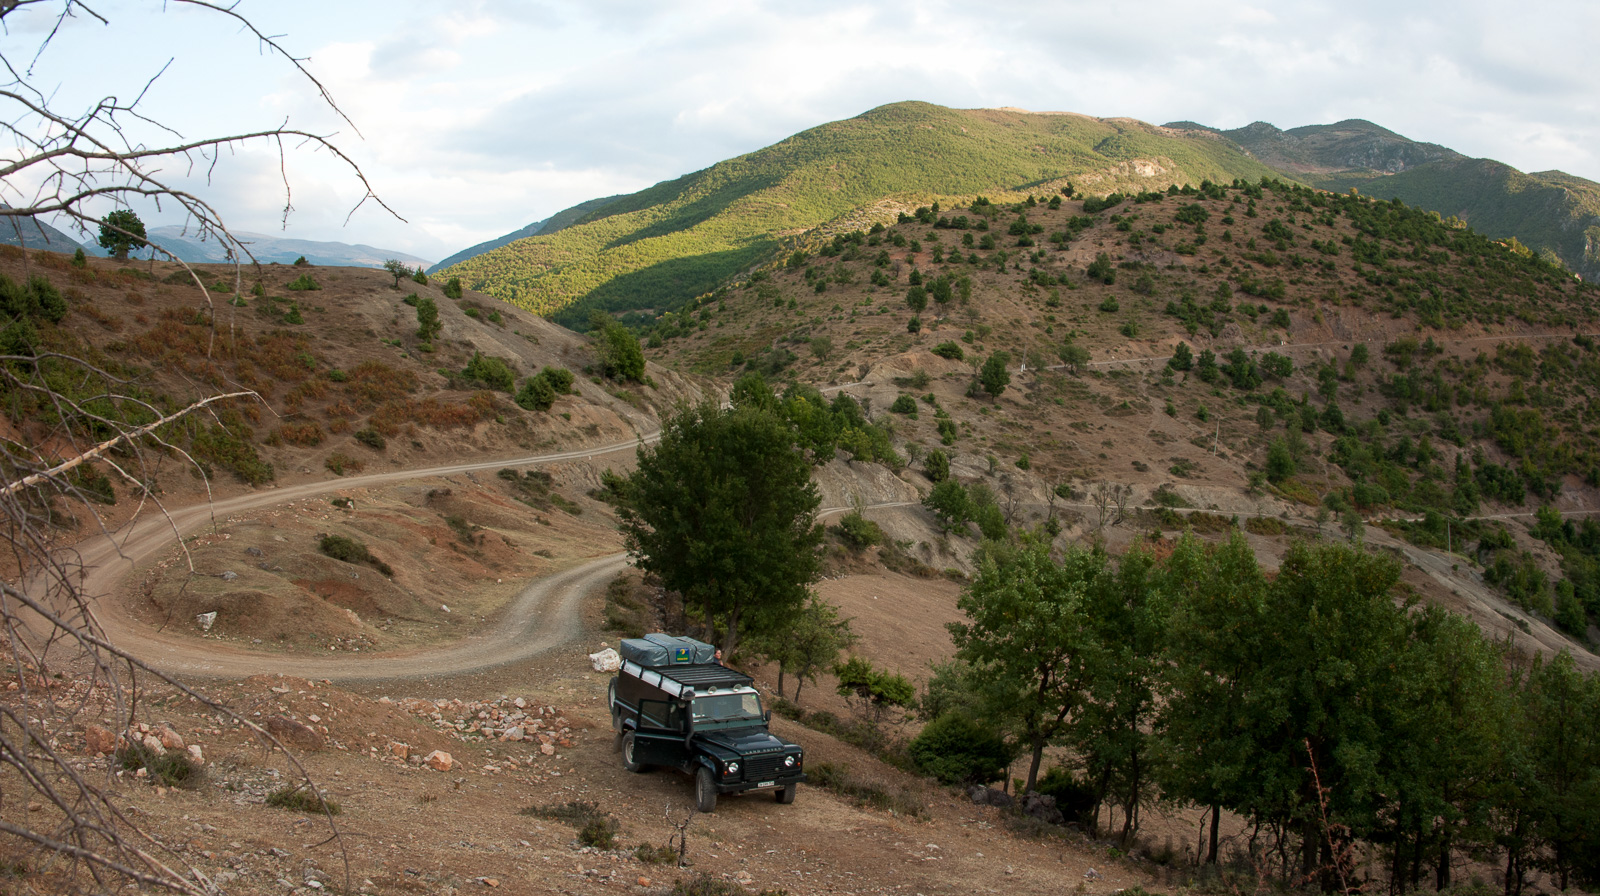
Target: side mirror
[[766, 716]]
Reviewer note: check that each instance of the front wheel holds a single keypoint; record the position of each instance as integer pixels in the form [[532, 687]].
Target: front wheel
[[705, 790], [786, 793], [628, 762]]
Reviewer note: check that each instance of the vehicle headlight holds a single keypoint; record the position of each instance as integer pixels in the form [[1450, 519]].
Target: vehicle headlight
[[733, 768], [788, 762]]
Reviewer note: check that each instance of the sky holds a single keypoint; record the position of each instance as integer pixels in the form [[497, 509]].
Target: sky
[[472, 119]]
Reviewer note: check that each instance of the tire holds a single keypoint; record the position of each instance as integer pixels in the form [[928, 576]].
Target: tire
[[705, 790], [611, 701], [786, 793], [627, 754], [616, 742]]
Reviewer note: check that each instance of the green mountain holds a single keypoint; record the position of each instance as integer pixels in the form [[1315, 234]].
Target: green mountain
[[1547, 211], [549, 225], [658, 248]]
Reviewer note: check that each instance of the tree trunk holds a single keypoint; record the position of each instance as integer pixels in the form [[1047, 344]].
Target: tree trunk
[[1033, 766], [1211, 850], [780, 680], [1441, 876]]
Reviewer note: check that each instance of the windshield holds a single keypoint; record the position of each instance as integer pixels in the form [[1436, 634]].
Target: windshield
[[727, 708]]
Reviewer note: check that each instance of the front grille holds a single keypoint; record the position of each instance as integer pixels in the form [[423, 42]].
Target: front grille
[[763, 768]]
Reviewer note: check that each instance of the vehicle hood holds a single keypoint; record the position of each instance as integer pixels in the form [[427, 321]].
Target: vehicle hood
[[745, 741]]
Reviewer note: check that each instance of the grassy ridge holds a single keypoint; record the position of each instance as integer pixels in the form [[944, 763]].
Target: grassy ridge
[[683, 237]]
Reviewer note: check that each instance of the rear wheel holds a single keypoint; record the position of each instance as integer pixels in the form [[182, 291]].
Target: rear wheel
[[611, 701], [786, 793], [705, 790], [628, 762]]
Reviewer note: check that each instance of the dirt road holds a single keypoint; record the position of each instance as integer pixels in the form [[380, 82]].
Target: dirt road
[[544, 614]]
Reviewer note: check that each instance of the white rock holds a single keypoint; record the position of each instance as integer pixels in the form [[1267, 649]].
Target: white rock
[[206, 620]]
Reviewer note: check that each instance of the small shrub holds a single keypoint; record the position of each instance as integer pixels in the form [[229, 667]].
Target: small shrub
[[340, 463], [302, 283], [161, 767], [600, 833], [420, 276], [300, 798], [949, 350], [342, 503], [655, 855], [452, 288], [372, 439], [306, 435], [301, 262], [341, 548], [859, 532], [905, 404]]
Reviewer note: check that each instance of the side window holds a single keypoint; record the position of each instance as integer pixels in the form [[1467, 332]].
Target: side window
[[660, 714]]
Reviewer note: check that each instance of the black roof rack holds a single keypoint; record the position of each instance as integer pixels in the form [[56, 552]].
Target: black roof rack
[[706, 675]]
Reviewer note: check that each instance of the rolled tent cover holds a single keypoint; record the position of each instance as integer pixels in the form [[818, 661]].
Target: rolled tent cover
[[658, 649]]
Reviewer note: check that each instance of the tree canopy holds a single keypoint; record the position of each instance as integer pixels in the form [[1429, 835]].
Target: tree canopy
[[723, 510], [121, 231]]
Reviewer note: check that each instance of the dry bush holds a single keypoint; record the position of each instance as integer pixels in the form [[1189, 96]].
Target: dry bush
[[306, 435]]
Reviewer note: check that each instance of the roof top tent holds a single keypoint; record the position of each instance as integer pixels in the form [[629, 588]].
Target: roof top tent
[[658, 650]]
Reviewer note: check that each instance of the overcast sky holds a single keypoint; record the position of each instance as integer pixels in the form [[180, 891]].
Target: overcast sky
[[478, 117]]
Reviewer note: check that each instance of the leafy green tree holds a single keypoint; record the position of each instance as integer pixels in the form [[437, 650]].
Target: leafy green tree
[[1182, 357], [1207, 737], [949, 504], [807, 644], [428, 326], [1559, 706], [121, 231], [937, 465], [876, 690], [1028, 639], [994, 377], [1280, 460], [1128, 614], [617, 349], [1102, 270], [397, 269], [1074, 356], [723, 510]]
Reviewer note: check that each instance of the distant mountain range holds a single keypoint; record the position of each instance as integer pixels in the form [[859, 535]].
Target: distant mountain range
[[35, 234], [655, 249], [268, 249]]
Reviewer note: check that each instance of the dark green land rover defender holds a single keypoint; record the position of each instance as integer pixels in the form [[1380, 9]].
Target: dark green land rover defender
[[673, 705]]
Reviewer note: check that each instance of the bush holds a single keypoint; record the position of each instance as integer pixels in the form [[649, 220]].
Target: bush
[[492, 372], [301, 799], [956, 750], [859, 532], [420, 276], [937, 465], [536, 394], [1074, 797], [161, 767], [341, 548], [949, 350], [339, 463], [905, 404], [452, 288], [302, 283], [372, 439]]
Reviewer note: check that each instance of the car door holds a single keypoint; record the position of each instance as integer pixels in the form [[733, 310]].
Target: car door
[[660, 737]]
